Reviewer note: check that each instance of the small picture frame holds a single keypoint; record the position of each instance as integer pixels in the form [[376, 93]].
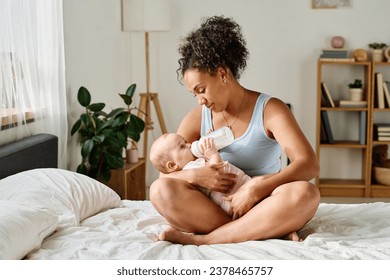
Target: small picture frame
[[330, 4]]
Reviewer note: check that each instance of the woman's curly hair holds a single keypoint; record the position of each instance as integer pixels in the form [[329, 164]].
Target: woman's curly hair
[[218, 42]]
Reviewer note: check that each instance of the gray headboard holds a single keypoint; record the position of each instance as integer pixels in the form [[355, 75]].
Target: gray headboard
[[37, 151]]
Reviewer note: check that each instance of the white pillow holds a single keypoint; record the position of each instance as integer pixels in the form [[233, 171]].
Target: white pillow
[[72, 196], [22, 228]]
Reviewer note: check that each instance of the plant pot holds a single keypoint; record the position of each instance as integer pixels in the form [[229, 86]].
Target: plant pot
[[356, 94], [377, 55], [132, 155]]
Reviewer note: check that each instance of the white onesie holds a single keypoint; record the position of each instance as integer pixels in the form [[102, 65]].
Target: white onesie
[[218, 197]]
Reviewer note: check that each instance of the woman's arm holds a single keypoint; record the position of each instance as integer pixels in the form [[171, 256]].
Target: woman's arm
[[281, 125]]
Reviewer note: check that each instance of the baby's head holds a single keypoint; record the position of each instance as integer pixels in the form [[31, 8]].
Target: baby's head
[[170, 152]]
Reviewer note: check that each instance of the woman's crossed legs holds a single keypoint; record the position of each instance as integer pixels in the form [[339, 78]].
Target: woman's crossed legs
[[280, 215]]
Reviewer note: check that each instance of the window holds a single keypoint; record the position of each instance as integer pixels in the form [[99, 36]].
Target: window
[[32, 71]]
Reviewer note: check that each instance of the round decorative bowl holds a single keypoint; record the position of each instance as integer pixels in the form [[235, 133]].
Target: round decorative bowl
[[382, 175]]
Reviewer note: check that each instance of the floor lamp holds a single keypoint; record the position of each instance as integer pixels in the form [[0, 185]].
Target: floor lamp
[[147, 16]]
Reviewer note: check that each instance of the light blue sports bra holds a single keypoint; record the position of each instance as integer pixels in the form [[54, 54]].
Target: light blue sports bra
[[254, 152]]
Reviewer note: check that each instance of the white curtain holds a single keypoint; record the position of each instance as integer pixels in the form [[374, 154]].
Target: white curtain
[[32, 73]]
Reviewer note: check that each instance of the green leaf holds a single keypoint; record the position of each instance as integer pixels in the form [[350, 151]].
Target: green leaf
[[114, 161], [96, 107], [120, 119], [82, 169], [102, 114], [127, 99], [115, 112], [99, 138], [113, 142], [84, 97], [105, 174], [87, 148], [94, 157], [131, 89], [134, 135], [135, 124], [75, 127], [121, 136]]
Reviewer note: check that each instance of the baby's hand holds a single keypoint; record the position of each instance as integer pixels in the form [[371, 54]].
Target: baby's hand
[[208, 147]]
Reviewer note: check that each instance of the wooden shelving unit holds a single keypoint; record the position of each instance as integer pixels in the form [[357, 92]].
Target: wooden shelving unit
[[384, 67], [330, 155]]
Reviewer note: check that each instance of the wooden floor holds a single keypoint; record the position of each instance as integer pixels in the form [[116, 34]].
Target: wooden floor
[[349, 200]]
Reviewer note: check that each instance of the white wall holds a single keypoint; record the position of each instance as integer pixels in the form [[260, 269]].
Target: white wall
[[284, 38]]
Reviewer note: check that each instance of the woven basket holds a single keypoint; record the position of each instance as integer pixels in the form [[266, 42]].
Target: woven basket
[[382, 175]]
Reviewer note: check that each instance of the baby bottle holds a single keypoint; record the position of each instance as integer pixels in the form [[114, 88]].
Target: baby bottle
[[222, 137]]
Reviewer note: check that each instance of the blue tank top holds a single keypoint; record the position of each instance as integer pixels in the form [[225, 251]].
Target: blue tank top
[[253, 152]]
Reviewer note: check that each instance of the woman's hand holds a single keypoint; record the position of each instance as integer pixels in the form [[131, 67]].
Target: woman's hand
[[247, 196], [241, 202], [213, 177]]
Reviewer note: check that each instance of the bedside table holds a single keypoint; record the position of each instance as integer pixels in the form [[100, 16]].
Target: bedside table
[[129, 182]]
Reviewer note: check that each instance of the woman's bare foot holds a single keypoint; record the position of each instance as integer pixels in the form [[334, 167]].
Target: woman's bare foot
[[175, 236]]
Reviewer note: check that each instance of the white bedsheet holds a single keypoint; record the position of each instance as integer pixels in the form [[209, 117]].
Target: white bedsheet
[[338, 231]]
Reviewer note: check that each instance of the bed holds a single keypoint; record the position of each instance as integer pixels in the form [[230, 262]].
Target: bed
[[51, 213]]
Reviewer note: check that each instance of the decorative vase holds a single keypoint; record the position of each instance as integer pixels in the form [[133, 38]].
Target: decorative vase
[[377, 55], [337, 42], [387, 54], [132, 155], [356, 94]]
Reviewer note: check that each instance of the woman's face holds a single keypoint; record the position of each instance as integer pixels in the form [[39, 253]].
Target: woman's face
[[210, 90]]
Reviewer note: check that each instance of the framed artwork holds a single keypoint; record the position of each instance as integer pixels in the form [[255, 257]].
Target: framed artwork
[[330, 4]]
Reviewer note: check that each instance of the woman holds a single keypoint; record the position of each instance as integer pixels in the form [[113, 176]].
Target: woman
[[268, 206]]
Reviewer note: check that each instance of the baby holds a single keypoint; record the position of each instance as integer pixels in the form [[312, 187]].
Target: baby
[[170, 152]]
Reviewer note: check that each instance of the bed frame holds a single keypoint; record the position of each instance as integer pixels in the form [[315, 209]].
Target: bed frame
[[37, 151]]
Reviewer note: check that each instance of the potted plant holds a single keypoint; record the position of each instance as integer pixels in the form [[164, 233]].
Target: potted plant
[[103, 136], [377, 51], [356, 90]]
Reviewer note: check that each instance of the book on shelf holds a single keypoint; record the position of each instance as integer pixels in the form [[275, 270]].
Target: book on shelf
[[380, 127], [327, 128], [352, 104], [334, 53], [383, 133], [349, 59], [323, 136], [324, 100], [386, 92], [363, 128], [327, 95], [383, 138], [379, 90]]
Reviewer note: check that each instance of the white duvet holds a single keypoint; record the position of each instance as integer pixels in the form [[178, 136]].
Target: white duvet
[[338, 231], [59, 214]]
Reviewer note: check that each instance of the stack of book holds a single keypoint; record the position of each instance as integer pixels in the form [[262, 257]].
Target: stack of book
[[382, 131], [335, 55]]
